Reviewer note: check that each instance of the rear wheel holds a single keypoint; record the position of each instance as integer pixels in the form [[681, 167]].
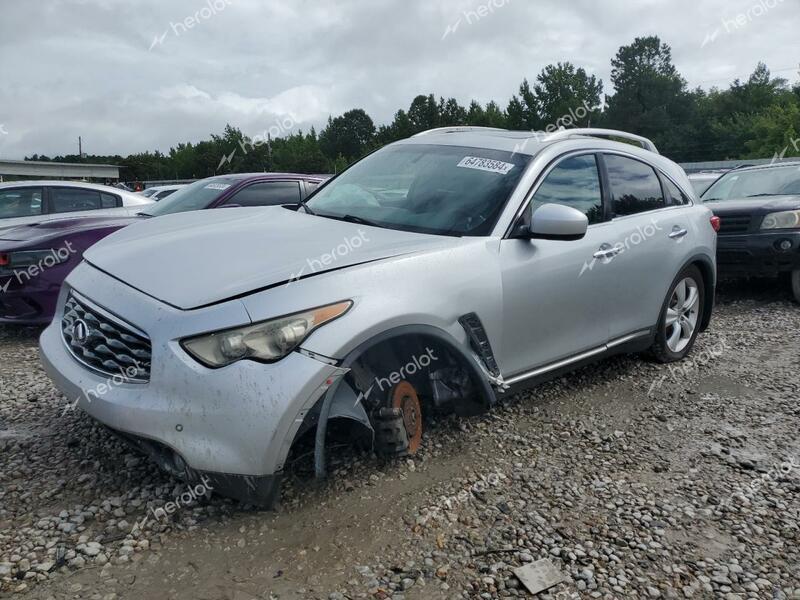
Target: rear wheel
[[681, 316], [795, 282]]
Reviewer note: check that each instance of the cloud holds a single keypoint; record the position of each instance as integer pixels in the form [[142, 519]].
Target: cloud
[[89, 70]]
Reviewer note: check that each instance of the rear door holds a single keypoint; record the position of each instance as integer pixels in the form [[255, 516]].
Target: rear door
[[652, 231], [21, 206]]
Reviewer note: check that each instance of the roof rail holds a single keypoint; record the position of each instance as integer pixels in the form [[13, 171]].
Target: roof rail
[[603, 133], [457, 129]]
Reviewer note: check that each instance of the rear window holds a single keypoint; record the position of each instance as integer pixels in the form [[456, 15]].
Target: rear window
[[65, 200]]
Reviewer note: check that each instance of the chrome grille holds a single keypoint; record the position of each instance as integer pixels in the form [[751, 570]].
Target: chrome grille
[[103, 343], [734, 224]]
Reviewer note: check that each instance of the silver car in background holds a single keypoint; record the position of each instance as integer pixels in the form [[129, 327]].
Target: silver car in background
[[30, 202], [433, 276]]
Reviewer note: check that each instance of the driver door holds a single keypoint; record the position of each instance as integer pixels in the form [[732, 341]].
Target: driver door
[[555, 299]]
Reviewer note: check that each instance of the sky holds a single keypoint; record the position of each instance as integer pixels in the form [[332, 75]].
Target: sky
[[136, 75]]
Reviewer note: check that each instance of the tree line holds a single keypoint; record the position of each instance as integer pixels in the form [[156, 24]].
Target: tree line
[[756, 118]]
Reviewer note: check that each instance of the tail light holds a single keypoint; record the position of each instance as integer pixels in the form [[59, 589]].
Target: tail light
[[5, 260], [715, 223]]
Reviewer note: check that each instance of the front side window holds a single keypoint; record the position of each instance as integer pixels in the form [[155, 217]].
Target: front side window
[[66, 199], [267, 193], [770, 181], [426, 188], [635, 187], [20, 202], [574, 182]]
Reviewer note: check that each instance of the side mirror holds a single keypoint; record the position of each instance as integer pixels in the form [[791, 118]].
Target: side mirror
[[553, 222]]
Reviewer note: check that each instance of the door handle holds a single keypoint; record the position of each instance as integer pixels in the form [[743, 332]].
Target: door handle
[[678, 232], [609, 252]]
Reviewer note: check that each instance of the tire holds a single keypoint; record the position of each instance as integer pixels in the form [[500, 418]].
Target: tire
[[795, 284], [681, 316]]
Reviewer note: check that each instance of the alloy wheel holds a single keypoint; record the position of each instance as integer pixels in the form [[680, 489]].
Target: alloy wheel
[[682, 314]]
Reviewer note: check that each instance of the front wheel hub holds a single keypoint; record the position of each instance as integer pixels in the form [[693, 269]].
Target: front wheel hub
[[398, 427]]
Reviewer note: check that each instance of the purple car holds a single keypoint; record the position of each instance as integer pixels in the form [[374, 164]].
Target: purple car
[[35, 259]]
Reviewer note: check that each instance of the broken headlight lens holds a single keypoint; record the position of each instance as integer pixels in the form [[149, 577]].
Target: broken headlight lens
[[268, 341], [787, 219]]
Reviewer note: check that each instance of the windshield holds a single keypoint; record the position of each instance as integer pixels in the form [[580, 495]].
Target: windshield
[[774, 181], [447, 190], [195, 196]]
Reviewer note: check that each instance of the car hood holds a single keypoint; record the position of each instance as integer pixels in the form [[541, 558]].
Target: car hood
[[196, 259], [46, 230], [760, 205]]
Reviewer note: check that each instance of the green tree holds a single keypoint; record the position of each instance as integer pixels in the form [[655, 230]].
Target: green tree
[[650, 97], [350, 135], [563, 90]]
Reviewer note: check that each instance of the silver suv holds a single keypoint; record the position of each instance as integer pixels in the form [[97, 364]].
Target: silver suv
[[432, 276]]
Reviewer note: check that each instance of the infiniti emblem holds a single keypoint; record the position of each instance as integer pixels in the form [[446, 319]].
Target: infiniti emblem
[[80, 332]]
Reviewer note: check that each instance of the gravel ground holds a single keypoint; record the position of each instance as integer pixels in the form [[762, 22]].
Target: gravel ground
[[637, 480]]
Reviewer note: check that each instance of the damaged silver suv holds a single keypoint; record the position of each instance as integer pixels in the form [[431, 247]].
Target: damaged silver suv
[[430, 277]]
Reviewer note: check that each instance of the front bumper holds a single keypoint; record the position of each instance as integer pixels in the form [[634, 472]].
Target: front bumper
[[236, 423], [758, 253]]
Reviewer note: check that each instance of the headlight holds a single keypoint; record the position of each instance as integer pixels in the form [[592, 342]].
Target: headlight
[[788, 219], [30, 258], [268, 341]]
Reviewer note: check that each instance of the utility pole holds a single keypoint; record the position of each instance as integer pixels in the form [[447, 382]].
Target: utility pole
[[80, 149]]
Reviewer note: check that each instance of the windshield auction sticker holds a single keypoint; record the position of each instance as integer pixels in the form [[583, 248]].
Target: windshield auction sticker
[[217, 186], [486, 164]]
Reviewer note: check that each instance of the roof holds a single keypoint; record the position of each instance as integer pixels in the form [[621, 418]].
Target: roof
[[521, 142], [767, 166], [61, 183], [76, 184], [243, 176]]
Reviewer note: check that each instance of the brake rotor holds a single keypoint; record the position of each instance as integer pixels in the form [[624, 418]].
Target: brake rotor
[[404, 397]]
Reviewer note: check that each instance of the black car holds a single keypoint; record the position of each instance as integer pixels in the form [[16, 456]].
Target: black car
[[759, 208]]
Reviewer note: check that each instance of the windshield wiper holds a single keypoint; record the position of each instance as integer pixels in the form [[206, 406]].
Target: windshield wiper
[[306, 207], [758, 195], [352, 219], [143, 214]]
